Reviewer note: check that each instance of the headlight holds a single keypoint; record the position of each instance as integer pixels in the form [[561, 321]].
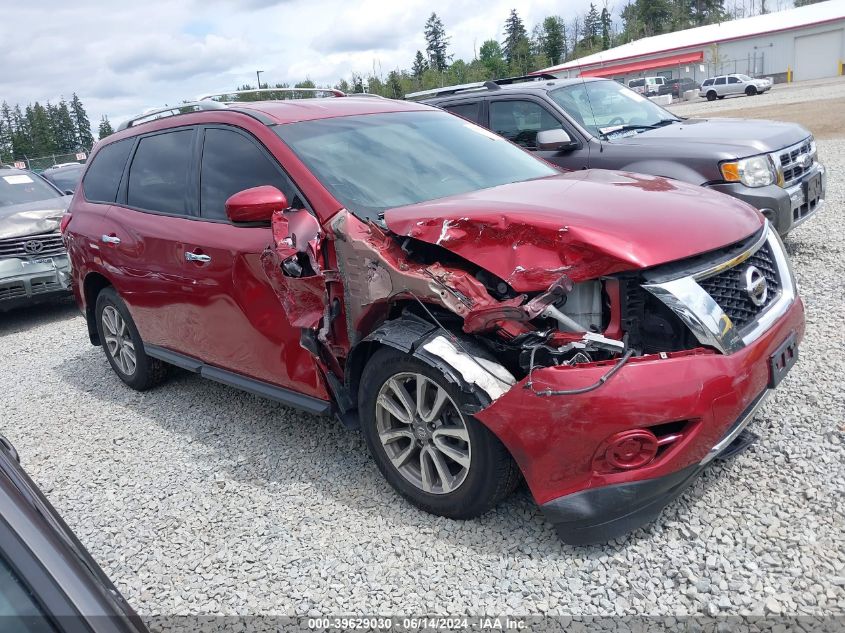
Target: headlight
[[757, 171], [813, 148]]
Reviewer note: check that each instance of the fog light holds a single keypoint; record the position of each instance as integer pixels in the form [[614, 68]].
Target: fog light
[[631, 449]]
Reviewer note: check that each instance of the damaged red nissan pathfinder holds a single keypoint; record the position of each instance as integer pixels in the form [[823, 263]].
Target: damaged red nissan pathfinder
[[481, 316]]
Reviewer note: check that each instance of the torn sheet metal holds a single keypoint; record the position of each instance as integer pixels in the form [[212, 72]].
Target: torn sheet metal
[[485, 374]]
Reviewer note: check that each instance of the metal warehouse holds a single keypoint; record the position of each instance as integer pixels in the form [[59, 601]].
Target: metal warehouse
[[793, 45]]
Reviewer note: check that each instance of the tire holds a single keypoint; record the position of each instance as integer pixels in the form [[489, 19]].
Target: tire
[[467, 491], [121, 343], [711, 96], [750, 91], [721, 96]]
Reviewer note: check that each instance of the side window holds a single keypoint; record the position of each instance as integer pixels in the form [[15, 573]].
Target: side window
[[231, 162], [733, 80], [19, 608], [720, 81], [519, 121], [469, 111], [103, 176], [158, 176]]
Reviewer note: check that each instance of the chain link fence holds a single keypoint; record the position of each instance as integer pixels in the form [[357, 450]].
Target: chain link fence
[[40, 163]]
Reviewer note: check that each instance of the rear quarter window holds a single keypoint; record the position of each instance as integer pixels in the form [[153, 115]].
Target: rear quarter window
[[707, 82], [103, 176], [469, 111]]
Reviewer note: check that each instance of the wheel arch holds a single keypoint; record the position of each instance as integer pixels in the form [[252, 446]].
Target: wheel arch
[[91, 287]]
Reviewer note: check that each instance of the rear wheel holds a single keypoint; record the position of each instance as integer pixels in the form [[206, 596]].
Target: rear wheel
[[721, 96], [750, 91], [711, 96], [122, 344], [440, 459]]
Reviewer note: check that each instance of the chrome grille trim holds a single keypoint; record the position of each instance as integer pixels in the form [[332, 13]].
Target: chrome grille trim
[[13, 247], [786, 161], [708, 321]]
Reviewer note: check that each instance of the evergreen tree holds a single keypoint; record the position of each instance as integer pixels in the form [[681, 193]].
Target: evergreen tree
[[592, 27], [515, 37], [436, 43], [357, 83], [305, 84], [393, 87], [605, 29], [63, 128], [491, 57], [21, 140], [553, 43], [420, 65], [41, 131], [81, 124], [105, 128]]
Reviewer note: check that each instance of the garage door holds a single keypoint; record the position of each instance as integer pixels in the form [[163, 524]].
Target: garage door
[[818, 56]]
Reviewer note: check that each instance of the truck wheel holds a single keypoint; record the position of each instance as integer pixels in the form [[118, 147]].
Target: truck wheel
[[440, 459], [123, 345], [750, 91], [711, 96]]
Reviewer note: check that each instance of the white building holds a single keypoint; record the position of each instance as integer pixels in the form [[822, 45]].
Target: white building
[[807, 42]]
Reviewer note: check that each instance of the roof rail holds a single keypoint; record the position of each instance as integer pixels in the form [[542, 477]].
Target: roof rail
[[329, 91], [182, 108], [494, 84]]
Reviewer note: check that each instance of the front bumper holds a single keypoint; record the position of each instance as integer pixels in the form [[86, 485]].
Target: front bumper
[[784, 208], [23, 281], [554, 439]]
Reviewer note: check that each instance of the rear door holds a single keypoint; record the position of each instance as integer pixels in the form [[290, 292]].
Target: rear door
[[142, 243], [721, 86], [238, 323], [520, 119]]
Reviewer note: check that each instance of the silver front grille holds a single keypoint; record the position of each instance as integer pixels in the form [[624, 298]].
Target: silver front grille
[[32, 246], [791, 161]]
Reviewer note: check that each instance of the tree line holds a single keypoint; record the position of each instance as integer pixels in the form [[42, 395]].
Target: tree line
[[42, 130]]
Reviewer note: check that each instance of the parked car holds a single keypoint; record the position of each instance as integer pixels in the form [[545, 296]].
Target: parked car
[[677, 87], [33, 261], [725, 85], [478, 314], [599, 123], [65, 176], [648, 86], [48, 580]]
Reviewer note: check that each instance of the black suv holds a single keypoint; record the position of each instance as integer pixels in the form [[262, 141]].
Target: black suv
[[598, 123]]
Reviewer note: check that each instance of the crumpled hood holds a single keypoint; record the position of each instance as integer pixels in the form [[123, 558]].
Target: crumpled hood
[[585, 224], [32, 218], [738, 137]]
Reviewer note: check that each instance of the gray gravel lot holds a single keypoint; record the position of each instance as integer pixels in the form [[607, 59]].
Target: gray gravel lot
[[196, 498]]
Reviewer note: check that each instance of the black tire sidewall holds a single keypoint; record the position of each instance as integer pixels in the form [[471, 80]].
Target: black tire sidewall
[[140, 379], [711, 96], [478, 492]]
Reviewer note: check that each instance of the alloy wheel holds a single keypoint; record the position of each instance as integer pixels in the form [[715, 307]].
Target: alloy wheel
[[118, 340], [423, 433]]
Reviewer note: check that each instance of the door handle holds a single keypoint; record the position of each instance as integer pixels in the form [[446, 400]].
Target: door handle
[[193, 257], [110, 239]]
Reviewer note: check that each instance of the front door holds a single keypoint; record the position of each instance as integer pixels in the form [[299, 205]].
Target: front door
[[519, 121]]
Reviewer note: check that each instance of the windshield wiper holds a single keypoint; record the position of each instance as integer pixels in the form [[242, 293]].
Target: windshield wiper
[[636, 126]]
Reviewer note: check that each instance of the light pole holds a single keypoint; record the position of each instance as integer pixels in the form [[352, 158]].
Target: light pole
[[258, 77]]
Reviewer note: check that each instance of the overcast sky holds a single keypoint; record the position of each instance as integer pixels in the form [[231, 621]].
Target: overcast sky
[[124, 57]]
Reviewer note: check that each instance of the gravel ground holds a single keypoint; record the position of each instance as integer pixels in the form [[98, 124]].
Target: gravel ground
[[196, 498], [780, 94]]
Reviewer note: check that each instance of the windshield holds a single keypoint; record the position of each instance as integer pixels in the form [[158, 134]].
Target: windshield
[[744, 77], [603, 107], [374, 162], [20, 188], [65, 179]]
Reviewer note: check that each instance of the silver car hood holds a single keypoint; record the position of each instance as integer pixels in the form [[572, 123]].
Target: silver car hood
[[32, 218]]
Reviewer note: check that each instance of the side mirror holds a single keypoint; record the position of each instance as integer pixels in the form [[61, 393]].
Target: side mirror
[[256, 204], [554, 140]]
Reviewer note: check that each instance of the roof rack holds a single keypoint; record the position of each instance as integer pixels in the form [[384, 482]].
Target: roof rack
[[182, 108], [328, 91], [495, 84]]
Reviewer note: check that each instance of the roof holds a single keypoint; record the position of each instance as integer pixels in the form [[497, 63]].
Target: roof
[[789, 19], [643, 64], [294, 110], [534, 86]]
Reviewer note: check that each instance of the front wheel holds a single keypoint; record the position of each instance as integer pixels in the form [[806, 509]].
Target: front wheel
[[440, 459], [750, 91], [123, 345]]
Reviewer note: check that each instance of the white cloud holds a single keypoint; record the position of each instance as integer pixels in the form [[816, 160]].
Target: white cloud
[[124, 57]]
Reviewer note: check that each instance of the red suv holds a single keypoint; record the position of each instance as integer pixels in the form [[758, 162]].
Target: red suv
[[481, 316]]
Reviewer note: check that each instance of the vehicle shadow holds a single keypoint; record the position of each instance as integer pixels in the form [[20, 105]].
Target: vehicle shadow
[[265, 444], [32, 316]]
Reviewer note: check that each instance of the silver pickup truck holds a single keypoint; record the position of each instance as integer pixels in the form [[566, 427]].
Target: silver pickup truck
[[33, 261], [598, 123]]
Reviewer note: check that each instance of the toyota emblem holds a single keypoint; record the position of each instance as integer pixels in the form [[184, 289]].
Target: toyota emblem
[[756, 285], [33, 247]]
